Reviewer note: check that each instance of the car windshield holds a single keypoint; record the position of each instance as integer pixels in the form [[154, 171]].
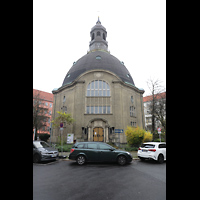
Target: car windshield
[[148, 145], [41, 144]]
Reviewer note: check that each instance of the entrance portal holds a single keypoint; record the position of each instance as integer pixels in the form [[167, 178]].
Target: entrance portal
[[98, 134]]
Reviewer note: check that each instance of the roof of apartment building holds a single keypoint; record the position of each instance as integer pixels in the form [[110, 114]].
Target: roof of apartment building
[[157, 96], [45, 96]]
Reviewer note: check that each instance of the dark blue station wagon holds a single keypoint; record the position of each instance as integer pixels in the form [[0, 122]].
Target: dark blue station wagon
[[84, 152]]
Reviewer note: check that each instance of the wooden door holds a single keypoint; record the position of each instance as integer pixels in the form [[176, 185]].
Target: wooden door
[[98, 134], [101, 136], [95, 134]]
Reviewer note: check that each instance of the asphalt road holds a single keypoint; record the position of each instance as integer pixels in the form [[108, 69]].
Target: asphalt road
[[65, 180]]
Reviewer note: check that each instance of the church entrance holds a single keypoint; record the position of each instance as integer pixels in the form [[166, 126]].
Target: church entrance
[[98, 134]]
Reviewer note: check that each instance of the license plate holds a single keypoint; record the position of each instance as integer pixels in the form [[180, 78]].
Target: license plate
[[54, 155], [144, 150]]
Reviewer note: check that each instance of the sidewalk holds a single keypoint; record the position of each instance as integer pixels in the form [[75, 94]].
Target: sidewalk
[[133, 153]]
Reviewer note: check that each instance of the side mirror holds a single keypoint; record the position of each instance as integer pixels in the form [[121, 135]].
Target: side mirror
[[112, 149]]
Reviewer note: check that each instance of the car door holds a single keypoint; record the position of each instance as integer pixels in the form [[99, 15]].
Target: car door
[[162, 149], [92, 152], [106, 153]]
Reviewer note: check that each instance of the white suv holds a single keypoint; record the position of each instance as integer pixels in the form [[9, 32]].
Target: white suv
[[152, 150]]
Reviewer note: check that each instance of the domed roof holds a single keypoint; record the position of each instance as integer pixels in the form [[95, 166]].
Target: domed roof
[[98, 60]]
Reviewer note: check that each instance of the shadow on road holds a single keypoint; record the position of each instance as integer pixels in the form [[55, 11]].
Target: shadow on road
[[151, 162], [99, 164], [47, 162]]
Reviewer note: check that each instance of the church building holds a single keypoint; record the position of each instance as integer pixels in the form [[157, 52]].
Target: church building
[[100, 94]]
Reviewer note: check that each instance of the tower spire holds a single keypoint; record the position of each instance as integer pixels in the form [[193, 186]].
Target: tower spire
[[98, 35], [98, 22]]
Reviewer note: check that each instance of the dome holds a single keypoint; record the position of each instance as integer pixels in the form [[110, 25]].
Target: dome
[[98, 60]]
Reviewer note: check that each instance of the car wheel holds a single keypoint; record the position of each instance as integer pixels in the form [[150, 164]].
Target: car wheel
[[160, 158], [121, 160], [80, 160], [36, 158]]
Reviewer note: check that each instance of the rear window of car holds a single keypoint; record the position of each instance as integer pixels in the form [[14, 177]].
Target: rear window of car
[[80, 146], [147, 145], [161, 146]]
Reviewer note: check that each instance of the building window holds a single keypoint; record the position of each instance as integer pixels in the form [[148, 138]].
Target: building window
[[104, 37], [98, 57], [131, 111], [98, 110], [98, 98], [92, 36], [131, 99], [133, 124], [98, 88], [98, 33]]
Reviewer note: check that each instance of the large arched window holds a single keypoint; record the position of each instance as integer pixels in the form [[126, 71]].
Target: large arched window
[[98, 88], [98, 98]]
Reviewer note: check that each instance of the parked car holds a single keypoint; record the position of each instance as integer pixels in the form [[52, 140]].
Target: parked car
[[84, 152], [152, 150], [43, 151]]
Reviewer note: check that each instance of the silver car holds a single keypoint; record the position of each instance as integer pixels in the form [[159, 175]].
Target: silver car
[[43, 152]]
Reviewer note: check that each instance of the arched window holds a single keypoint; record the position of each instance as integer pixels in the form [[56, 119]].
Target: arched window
[[98, 88], [98, 33], [92, 36], [104, 37]]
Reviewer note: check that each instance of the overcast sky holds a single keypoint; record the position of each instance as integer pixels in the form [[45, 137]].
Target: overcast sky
[[136, 35]]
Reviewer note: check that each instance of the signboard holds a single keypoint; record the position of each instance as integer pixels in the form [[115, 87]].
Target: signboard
[[159, 130], [70, 138], [61, 125], [119, 130]]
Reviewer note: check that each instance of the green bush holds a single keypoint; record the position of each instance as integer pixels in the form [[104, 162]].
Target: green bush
[[158, 140], [129, 148], [148, 136], [156, 137], [134, 135], [66, 147]]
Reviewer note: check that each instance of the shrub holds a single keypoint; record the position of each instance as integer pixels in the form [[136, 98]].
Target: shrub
[[66, 147], [128, 148], [148, 137], [134, 135]]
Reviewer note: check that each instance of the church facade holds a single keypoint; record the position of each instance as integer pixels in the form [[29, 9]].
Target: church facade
[[100, 94]]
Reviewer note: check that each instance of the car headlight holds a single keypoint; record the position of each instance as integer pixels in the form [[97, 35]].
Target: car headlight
[[44, 153]]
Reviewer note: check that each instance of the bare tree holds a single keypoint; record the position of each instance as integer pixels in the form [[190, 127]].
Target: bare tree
[[39, 117], [156, 109], [160, 109]]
